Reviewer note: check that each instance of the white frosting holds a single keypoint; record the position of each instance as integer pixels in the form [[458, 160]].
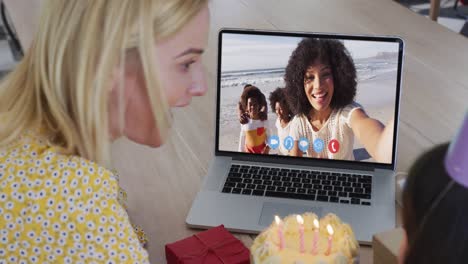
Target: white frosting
[[265, 249]]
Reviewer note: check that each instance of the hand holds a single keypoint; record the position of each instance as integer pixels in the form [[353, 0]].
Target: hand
[[244, 118]]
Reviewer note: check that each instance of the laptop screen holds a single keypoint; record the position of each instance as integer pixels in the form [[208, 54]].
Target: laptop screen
[[308, 96]]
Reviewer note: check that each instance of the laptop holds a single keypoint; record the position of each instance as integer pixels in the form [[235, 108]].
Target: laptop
[[255, 176]]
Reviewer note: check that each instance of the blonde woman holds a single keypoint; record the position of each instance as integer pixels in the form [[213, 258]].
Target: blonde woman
[[96, 71]]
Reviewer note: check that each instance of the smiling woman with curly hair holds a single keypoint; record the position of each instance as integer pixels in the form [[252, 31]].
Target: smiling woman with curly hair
[[321, 85]]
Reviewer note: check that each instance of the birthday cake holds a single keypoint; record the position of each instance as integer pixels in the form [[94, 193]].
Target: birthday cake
[[297, 240]]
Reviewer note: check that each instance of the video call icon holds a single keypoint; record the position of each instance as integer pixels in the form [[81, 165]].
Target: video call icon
[[273, 142], [288, 143], [303, 144], [319, 145]]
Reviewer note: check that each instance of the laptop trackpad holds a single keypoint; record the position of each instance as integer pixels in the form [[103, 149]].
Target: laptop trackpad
[[271, 209]]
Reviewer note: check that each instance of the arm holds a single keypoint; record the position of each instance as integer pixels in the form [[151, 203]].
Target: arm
[[243, 117], [266, 150], [264, 109], [376, 138], [242, 141]]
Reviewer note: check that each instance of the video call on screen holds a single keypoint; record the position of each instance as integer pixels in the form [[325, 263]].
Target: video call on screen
[[259, 115]]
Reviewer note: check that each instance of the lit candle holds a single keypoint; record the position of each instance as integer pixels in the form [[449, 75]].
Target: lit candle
[[279, 224], [300, 220], [316, 234], [330, 236]]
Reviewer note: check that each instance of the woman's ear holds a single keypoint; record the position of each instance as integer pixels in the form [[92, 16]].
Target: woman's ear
[[403, 249]]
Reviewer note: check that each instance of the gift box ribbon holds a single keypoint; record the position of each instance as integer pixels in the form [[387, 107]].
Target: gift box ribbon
[[212, 249]]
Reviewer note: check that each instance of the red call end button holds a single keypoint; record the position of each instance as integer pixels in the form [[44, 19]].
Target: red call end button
[[334, 146]]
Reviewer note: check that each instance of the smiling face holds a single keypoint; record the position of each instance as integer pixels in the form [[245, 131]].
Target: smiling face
[[282, 112], [278, 109], [318, 85], [253, 107]]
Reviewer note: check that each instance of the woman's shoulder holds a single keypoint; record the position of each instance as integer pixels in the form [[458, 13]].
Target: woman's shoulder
[[298, 126], [254, 124], [71, 194], [35, 158], [83, 171], [298, 119], [350, 107], [345, 113]]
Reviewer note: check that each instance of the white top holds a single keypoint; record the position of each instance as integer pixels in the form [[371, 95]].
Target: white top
[[336, 127], [283, 132], [251, 125]]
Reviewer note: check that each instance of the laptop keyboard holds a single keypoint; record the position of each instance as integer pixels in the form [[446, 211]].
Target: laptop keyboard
[[310, 185]]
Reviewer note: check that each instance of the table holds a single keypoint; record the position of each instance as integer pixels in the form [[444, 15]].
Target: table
[[161, 183]]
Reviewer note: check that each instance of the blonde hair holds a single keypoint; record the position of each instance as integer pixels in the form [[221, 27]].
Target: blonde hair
[[62, 84]]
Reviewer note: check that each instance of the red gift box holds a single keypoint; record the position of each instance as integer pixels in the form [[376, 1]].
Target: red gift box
[[213, 246]]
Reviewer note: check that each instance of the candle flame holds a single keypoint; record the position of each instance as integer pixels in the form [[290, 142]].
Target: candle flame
[[299, 219], [316, 223], [277, 220], [330, 230]]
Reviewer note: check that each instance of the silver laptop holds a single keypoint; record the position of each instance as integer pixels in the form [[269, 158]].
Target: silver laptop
[[268, 165]]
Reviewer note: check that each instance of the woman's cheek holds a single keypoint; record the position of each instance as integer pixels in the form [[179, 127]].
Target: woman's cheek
[[175, 90], [307, 89]]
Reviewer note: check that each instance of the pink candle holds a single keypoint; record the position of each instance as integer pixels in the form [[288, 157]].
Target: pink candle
[[279, 224], [316, 234], [330, 236], [300, 220]]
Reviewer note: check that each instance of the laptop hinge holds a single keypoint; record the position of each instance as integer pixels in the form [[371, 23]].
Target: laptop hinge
[[308, 163]]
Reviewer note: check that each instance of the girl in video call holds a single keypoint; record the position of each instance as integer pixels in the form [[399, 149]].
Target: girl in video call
[[253, 135], [321, 86], [244, 116], [280, 107]]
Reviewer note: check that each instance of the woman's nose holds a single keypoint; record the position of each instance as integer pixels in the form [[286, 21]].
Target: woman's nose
[[198, 89], [317, 82]]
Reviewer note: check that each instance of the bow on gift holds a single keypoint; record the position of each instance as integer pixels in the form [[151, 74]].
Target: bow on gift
[[214, 249]]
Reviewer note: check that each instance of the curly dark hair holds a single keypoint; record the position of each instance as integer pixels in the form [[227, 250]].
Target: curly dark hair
[[279, 95], [251, 91], [327, 51]]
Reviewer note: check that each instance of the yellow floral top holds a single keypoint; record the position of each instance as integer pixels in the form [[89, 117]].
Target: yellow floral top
[[61, 209]]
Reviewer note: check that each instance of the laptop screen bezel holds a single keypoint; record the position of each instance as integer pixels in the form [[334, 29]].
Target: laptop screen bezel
[[307, 161]]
